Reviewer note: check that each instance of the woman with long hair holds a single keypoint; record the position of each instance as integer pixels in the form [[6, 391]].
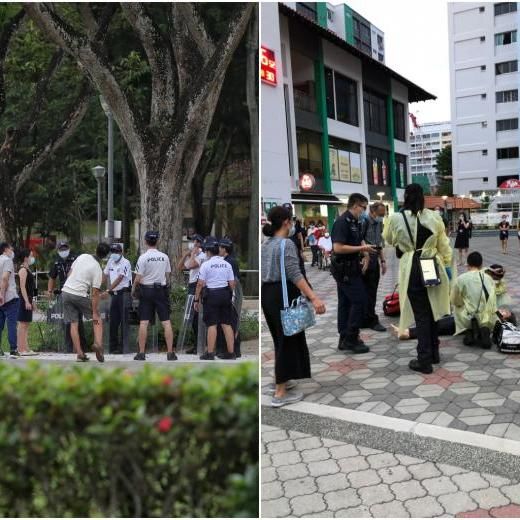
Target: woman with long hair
[[425, 304], [291, 352], [462, 240], [26, 304]]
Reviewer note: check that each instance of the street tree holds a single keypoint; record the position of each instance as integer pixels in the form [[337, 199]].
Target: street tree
[[187, 54]]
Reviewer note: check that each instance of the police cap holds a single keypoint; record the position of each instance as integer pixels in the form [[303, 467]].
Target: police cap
[[151, 235], [197, 237], [226, 242], [210, 243], [116, 248]]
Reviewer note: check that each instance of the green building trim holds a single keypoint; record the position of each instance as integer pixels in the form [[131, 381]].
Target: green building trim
[[322, 13], [393, 165], [349, 25]]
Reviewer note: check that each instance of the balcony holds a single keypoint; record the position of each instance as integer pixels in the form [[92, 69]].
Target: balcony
[[304, 101]]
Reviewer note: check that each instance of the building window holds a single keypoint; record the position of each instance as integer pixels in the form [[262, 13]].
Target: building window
[[378, 166], [362, 38], [375, 112], [506, 67], [485, 179], [507, 124], [504, 8], [308, 9], [399, 121], [507, 96], [505, 38], [380, 57], [507, 153], [345, 161], [341, 94], [304, 90], [401, 172], [484, 152], [310, 157]]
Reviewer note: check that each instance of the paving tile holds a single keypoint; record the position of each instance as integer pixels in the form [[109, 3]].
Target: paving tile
[[275, 508], [272, 490], [375, 494], [457, 502], [354, 512], [280, 446], [426, 507], [424, 470], [353, 464], [394, 509], [382, 460], [284, 459], [269, 474], [470, 481], [342, 498], [343, 451], [307, 443], [300, 486], [307, 504], [488, 498], [315, 454], [439, 486], [359, 479], [292, 471], [334, 482], [274, 435], [408, 490], [324, 467], [394, 474], [510, 511]]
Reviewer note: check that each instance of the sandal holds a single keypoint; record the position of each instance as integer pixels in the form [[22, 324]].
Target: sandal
[[99, 353], [82, 359]]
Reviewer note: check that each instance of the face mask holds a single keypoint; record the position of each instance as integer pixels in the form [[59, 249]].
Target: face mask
[[64, 254], [10, 255], [438, 211], [191, 246], [292, 231], [115, 257], [327, 235], [32, 260], [379, 219]]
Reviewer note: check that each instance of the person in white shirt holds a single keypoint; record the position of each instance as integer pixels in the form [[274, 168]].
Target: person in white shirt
[[192, 259], [118, 277], [84, 280], [325, 244], [217, 280], [8, 297], [153, 269]]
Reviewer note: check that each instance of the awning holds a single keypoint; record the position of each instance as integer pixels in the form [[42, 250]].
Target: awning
[[315, 198]]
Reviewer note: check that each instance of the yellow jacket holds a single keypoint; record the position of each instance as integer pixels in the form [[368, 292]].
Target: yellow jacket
[[438, 245], [467, 295]]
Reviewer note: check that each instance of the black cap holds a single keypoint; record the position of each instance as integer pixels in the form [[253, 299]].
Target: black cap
[[210, 242], [116, 248], [288, 206], [226, 242], [197, 237], [62, 243], [151, 235]]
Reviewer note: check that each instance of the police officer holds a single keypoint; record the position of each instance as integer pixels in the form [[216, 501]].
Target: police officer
[[59, 271], [153, 268], [226, 252], [118, 276], [348, 245], [192, 260], [218, 281]]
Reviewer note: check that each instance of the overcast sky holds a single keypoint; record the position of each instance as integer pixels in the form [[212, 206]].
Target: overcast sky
[[416, 45]]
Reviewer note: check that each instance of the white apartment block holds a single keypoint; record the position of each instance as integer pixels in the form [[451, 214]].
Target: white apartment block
[[484, 82], [426, 142]]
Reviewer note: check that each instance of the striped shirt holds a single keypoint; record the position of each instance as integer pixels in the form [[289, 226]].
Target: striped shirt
[[373, 231]]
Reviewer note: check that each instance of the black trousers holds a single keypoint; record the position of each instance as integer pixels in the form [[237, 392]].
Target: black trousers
[[352, 303], [371, 281], [314, 250], [445, 327], [426, 327], [119, 320]]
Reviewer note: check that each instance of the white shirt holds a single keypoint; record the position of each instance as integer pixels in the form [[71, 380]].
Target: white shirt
[[194, 273], [325, 243], [85, 274], [115, 269], [216, 272], [311, 230], [7, 266], [153, 266]]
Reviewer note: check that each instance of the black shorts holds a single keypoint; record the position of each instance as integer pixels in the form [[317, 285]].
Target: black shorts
[[217, 307], [24, 315], [154, 300], [504, 235]]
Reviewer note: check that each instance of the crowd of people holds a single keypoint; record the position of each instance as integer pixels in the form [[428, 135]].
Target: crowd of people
[[431, 296], [213, 277]]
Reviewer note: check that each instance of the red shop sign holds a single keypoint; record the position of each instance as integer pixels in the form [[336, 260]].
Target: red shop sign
[[267, 66]]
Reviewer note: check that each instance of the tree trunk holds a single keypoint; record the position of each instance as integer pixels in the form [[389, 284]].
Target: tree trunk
[[252, 105]]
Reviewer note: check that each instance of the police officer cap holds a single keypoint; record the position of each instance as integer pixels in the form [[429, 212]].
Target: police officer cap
[[225, 242], [116, 248], [151, 235], [62, 243], [210, 242], [197, 237], [288, 207]]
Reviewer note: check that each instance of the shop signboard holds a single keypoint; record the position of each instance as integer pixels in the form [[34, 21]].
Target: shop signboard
[[355, 167], [344, 166], [267, 66]]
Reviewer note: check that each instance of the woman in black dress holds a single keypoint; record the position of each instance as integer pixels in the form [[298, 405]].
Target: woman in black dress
[[504, 233], [291, 355], [462, 240], [26, 305]]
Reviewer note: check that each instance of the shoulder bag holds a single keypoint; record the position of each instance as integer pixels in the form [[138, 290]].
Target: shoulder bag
[[475, 325], [428, 265], [299, 315]]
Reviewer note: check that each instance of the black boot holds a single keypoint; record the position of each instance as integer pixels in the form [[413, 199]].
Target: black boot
[[420, 367]]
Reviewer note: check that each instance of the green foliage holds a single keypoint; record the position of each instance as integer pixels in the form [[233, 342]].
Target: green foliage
[[443, 165], [86, 442]]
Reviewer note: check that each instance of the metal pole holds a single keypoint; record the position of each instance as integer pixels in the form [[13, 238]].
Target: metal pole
[[99, 210], [110, 202]]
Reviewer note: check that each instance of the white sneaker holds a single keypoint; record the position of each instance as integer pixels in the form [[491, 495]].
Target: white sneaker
[[272, 387], [288, 398]]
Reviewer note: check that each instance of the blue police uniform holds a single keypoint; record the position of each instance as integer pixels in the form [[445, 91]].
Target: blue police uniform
[[352, 298]]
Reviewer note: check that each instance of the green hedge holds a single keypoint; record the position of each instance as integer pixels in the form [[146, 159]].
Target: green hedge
[[87, 442]]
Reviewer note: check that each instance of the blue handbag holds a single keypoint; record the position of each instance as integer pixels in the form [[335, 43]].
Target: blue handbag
[[299, 315]]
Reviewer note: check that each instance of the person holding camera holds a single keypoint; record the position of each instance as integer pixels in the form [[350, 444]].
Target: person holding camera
[[462, 240], [375, 266], [424, 272], [348, 247]]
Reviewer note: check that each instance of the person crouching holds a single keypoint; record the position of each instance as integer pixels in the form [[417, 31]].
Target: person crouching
[[216, 283]]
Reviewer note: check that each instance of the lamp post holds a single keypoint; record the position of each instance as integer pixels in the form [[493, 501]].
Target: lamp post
[[110, 194], [99, 173]]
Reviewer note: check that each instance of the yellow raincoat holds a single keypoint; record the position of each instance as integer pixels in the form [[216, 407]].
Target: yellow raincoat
[[438, 245], [503, 298], [466, 294]]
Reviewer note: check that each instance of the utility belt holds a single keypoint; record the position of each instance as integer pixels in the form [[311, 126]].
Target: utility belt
[[153, 286], [207, 291], [344, 267], [121, 291]]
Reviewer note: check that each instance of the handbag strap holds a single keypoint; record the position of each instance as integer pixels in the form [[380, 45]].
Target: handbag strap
[[409, 230], [484, 290], [282, 271]]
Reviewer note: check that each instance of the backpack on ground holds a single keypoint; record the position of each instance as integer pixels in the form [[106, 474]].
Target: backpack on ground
[[507, 337]]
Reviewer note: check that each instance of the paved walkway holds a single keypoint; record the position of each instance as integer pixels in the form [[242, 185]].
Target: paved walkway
[[471, 389], [472, 396]]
